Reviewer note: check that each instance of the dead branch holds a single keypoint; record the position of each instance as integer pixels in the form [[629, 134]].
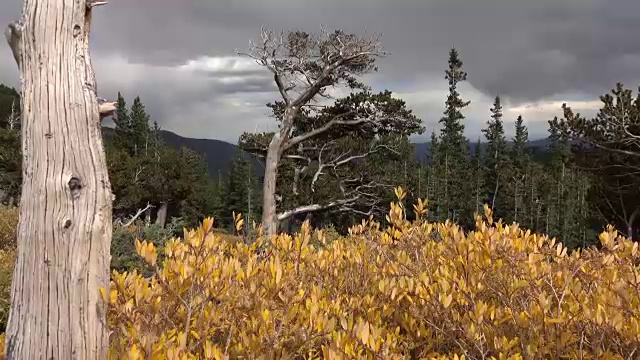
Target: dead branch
[[306, 64], [13, 118], [314, 207], [92, 4], [135, 217], [315, 132]]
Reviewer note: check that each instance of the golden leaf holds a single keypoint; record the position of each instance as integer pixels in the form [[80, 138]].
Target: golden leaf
[[278, 269], [363, 333], [446, 300]]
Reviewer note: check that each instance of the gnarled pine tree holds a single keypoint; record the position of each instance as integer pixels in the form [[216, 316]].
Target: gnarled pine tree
[[304, 66]]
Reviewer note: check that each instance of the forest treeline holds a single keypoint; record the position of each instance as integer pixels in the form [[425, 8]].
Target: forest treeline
[[586, 180]]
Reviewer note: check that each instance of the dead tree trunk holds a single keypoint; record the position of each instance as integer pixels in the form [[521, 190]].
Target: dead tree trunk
[[630, 222], [161, 218], [64, 231], [269, 211]]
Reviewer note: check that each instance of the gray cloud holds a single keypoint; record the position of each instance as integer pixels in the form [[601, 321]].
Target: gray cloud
[[526, 51]]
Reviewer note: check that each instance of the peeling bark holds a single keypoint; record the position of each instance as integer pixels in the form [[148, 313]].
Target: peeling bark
[[64, 232]]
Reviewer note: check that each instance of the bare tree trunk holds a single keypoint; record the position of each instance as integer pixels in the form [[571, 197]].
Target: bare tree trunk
[[515, 202], [559, 210], [533, 207], [630, 222], [64, 231], [249, 218], [269, 213], [161, 218], [495, 191], [419, 181], [13, 118], [446, 182], [147, 217]]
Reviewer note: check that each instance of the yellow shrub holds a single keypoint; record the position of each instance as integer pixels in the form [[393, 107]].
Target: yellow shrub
[[8, 227], [389, 293], [8, 237], [7, 261]]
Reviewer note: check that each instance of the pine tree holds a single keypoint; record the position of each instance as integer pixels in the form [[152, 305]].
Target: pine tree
[[519, 154], [519, 159], [453, 165], [434, 192], [10, 146], [567, 215], [139, 127], [123, 124], [519, 163], [242, 194], [479, 175], [496, 159], [191, 186]]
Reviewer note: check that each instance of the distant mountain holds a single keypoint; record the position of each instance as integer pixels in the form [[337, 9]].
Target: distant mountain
[[219, 154], [536, 147]]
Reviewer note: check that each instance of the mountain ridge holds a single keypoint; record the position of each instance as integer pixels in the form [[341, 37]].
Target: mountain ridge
[[219, 154]]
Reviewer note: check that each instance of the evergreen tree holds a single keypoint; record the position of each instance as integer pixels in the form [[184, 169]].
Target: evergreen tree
[[144, 171], [479, 176], [433, 191], [520, 163], [140, 128], [242, 191], [496, 160], [567, 216], [519, 155], [607, 146], [10, 146], [191, 187], [122, 121], [453, 163]]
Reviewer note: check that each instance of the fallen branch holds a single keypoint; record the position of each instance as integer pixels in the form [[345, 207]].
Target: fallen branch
[[314, 207], [135, 217]]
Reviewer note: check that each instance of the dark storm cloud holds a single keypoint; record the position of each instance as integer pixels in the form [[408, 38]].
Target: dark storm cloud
[[524, 50]]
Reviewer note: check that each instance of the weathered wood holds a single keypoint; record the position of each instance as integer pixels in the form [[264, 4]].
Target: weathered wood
[[269, 212], [64, 230], [161, 218]]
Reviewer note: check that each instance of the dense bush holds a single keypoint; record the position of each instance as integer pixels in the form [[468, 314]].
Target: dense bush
[[8, 227], [412, 290], [7, 260], [8, 233], [123, 251]]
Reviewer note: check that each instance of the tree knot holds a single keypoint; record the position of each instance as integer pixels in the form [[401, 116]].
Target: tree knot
[[75, 185]]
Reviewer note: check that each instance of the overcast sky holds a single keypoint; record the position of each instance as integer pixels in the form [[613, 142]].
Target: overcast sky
[[180, 57]]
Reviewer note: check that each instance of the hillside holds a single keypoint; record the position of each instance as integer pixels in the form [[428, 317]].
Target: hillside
[[219, 154]]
